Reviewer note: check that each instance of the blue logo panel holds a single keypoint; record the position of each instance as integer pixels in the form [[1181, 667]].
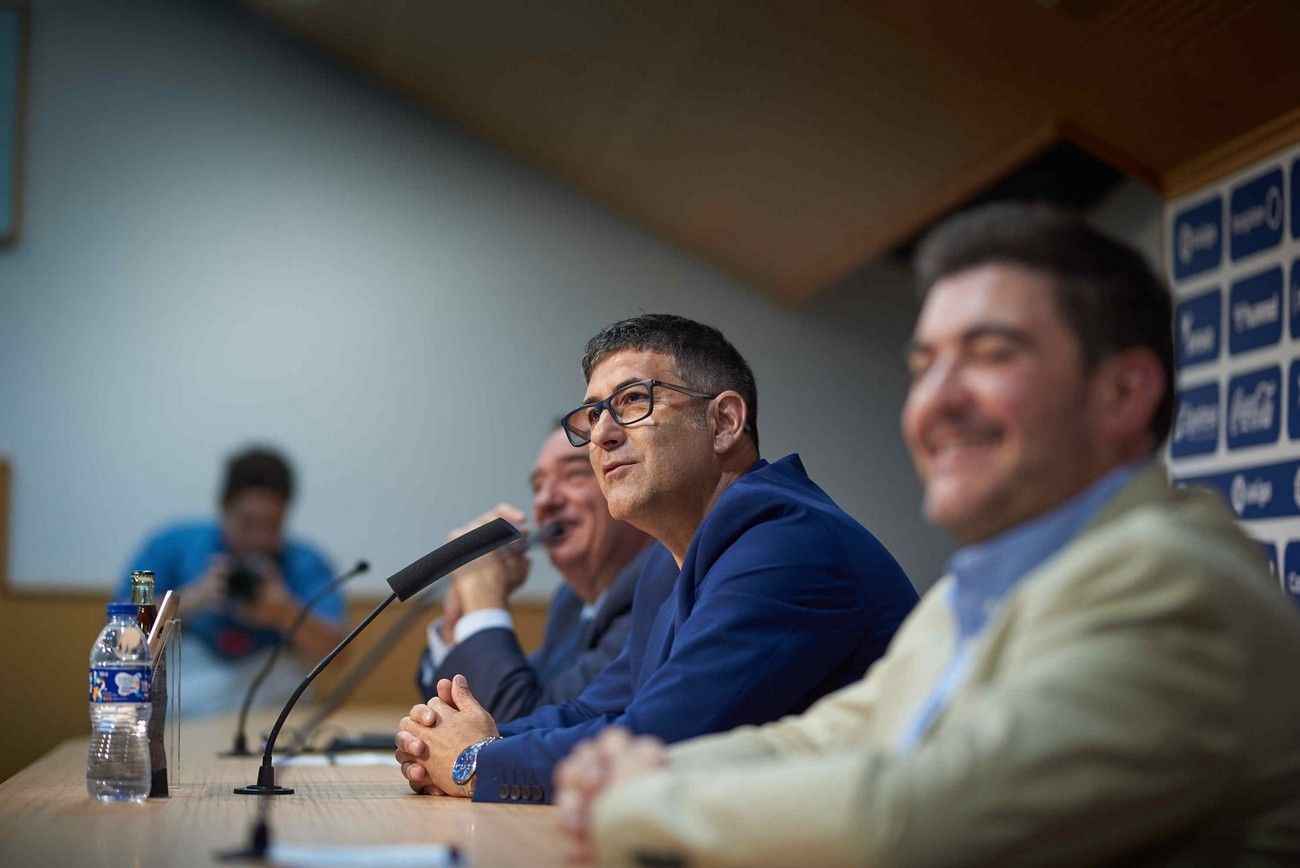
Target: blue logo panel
[[1257, 210], [1255, 311], [1293, 400], [1294, 302], [1196, 425], [1295, 199], [1254, 415], [1197, 326], [1268, 491], [1197, 244], [1270, 554], [1291, 579]]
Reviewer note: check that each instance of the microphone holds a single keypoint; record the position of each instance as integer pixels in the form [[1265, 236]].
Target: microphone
[[356, 672], [411, 580], [405, 583], [543, 533], [240, 747]]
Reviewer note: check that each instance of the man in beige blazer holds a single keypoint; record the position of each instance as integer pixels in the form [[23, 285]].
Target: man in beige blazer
[[1106, 673]]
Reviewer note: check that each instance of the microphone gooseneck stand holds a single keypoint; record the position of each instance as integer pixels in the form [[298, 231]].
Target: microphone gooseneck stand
[[357, 671], [266, 785], [405, 583], [240, 747]]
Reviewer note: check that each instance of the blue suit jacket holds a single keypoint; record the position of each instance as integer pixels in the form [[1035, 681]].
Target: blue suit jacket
[[782, 598], [573, 652]]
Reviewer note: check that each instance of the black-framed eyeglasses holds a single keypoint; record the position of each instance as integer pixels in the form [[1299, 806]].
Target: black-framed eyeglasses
[[630, 403]]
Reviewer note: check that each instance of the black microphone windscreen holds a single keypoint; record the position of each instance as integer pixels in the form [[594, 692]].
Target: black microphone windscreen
[[411, 580]]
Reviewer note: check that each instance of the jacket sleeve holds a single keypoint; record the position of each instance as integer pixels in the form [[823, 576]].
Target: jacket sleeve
[[519, 765], [506, 681], [571, 682], [772, 617], [1114, 719]]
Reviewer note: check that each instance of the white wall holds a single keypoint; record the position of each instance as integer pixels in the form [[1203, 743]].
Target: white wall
[[229, 239]]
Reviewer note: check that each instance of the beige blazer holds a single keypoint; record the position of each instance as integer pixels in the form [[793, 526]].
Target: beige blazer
[[1136, 698]]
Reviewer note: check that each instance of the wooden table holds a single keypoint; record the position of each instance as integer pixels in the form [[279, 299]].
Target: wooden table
[[46, 817]]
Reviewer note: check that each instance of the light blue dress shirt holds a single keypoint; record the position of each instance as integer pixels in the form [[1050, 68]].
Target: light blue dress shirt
[[985, 574]]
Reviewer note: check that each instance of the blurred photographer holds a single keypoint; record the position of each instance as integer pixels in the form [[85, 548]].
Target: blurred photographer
[[240, 584]]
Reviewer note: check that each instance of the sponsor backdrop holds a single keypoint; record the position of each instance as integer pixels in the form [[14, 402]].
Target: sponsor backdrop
[[1233, 250]]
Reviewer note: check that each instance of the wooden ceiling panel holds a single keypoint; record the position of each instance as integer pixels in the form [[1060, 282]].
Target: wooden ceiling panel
[[791, 141]]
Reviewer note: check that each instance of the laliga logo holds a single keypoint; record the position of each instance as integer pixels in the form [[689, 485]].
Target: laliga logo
[[1195, 341], [1252, 412], [1192, 240], [1255, 493], [1293, 582]]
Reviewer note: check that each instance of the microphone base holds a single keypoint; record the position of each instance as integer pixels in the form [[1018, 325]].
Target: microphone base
[[265, 785], [239, 748], [260, 790], [240, 856]]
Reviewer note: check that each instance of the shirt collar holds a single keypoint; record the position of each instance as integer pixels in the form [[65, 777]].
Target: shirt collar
[[985, 573], [589, 610]]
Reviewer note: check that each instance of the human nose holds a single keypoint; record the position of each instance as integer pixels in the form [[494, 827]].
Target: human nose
[[607, 433], [547, 497], [939, 388]]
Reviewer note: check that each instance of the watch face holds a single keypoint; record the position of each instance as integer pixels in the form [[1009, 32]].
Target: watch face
[[463, 769]]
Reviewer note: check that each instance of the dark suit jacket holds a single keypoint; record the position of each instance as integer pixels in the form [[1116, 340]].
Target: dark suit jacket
[[510, 684], [782, 598]]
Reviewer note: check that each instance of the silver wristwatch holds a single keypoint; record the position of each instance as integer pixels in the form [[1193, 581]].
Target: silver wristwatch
[[466, 765]]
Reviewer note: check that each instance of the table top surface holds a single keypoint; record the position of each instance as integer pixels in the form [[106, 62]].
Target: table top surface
[[46, 816]]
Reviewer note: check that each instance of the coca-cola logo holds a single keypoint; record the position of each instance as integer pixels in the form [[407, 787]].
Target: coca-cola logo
[[1252, 411]]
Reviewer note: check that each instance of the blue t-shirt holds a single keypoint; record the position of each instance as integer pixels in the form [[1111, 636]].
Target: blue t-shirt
[[179, 555]]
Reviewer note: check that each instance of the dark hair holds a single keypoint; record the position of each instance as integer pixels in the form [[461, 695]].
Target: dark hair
[[1105, 290], [702, 357], [257, 467]]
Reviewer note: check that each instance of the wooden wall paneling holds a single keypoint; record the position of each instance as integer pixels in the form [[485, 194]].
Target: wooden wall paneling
[[6, 474], [47, 638]]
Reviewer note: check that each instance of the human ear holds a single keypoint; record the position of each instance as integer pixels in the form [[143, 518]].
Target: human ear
[[728, 417], [1128, 387]]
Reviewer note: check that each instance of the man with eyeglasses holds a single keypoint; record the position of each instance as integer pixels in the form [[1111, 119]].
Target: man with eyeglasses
[[602, 563], [781, 598]]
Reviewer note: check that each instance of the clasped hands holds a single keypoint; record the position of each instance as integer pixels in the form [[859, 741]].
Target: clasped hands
[[435, 733]]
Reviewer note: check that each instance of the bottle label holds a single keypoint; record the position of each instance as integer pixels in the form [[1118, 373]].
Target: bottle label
[[120, 685]]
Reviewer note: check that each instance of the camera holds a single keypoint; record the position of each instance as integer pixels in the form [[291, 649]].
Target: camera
[[242, 582]]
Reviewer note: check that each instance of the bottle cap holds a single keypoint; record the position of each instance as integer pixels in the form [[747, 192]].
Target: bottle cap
[[122, 609]]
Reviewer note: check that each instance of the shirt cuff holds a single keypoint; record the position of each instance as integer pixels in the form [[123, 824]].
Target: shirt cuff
[[480, 620], [469, 624], [438, 649]]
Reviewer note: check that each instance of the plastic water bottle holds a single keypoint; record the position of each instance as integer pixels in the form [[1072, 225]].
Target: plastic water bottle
[[117, 766]]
